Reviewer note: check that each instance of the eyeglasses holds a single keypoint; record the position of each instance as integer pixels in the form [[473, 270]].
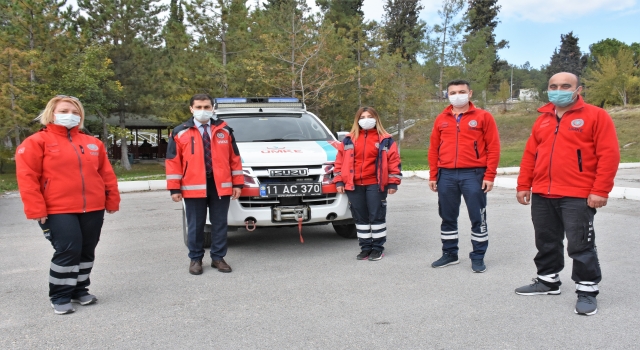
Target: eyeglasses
[[65, 96]]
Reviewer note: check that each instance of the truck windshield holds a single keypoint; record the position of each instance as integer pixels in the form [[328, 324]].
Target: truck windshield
[[276, 127]]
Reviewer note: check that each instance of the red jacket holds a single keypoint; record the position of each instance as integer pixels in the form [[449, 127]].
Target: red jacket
[[386, 160], [471, 143], [63, 171], [365, 156], [185, 160], [575, 157]]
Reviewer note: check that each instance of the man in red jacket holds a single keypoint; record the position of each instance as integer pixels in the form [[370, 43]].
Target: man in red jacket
[[204, 167], [569, 163], [464, 153]]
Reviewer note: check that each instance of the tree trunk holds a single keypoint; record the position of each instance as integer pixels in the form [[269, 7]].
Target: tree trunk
[[124, 160], [13, 102], [105, 131], [225, 83], [32, 47], [293, 54], [444, 44], [359, 77]]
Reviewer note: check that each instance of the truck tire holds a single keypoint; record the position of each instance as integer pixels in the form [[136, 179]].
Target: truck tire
[[346, 230], [185, 230]]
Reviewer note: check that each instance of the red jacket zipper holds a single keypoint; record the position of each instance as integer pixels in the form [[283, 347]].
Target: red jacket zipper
[[84, 198]]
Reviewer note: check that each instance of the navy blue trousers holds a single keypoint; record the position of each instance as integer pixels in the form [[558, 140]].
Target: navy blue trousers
[[452, 184], [552, 218], [196, 212], [369, 210], [74, 238]]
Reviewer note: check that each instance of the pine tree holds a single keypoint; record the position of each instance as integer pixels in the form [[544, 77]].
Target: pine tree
[[131, 29], [32, 39], [403, 28], [483, 15], [568, 58], [446, 42]]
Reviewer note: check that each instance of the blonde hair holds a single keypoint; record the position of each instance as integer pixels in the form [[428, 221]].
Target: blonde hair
[[46, 117], [355, 129]]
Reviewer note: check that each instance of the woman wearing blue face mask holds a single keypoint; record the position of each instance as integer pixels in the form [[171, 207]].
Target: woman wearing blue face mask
[[367, 168], [66, 183]]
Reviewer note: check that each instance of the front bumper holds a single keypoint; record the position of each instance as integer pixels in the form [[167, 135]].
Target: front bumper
[[338, 210]]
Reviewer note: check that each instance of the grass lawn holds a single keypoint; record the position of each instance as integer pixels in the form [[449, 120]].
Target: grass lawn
[[153, 171], [514, 128]]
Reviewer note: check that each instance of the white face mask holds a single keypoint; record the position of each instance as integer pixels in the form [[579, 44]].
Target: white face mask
[[203, 116], [367, 123], [67, 120], [459, 100]]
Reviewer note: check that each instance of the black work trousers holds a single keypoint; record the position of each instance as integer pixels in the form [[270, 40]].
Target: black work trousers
[[552, 218], [74, 238], [196, 212]]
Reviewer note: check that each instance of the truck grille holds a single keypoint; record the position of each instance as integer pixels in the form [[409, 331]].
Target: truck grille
[[259, 202]]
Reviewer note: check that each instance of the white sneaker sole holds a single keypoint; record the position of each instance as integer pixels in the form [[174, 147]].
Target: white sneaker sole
[[92, 301], [62, 312], [445, 265], [587, 313], [551, 292]]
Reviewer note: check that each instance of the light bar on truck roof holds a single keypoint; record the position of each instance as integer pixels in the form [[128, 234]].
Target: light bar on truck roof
[[258, 102]]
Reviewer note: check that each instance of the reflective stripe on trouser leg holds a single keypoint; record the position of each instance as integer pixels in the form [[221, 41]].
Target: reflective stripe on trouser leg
[[589, 287], [364, 231], [555, 278], [449, 198], [476, 201], [91, 225], [71, 235]]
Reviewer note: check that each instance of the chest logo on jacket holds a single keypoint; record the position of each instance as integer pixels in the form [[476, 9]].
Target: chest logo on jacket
[[220, 135], [576, 124], [92, 147], [473, 125]]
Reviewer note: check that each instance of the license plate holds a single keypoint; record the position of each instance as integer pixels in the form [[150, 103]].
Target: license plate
[[290, 190]]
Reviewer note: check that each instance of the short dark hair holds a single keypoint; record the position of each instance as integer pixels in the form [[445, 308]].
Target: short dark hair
[[200, 97], [459, 82]]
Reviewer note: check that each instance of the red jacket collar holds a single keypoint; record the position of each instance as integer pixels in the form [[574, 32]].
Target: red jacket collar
[[551, 108], [384, 136], [61, 130], [449, 109]]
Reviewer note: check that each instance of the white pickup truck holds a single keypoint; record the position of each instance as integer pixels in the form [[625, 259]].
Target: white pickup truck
[[287, 158]]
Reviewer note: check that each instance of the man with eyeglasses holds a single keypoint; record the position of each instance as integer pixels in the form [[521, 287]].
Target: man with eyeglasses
[[204, 168], [566, 173]]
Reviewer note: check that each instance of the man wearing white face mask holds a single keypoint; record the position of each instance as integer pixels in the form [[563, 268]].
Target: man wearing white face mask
[[204, 168], [464, 153]]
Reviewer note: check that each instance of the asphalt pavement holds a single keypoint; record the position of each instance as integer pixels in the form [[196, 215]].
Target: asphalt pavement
[[286, 295]]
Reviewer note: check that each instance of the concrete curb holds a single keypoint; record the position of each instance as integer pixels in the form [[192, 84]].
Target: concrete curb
[[503, 182]]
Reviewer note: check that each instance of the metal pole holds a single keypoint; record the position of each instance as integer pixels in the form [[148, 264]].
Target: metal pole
[[511, 86]]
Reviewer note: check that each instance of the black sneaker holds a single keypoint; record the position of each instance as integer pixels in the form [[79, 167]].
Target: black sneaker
[[477, 265], [537, 288], [586, 305], [375, 255], [446, 260], [364, 255]]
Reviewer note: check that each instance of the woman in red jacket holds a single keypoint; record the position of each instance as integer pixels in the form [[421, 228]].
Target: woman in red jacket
[[66, 183], [367, 168]]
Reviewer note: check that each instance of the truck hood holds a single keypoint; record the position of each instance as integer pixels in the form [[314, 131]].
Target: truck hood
[[287, 153]]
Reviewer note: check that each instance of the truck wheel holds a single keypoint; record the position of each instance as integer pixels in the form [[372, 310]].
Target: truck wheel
[[346, 231], [185, 230]]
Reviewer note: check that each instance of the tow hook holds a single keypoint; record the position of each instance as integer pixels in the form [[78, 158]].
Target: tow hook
[[250, 222]]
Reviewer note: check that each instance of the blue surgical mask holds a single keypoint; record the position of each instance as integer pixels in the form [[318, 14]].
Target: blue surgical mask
[[561, 98]]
